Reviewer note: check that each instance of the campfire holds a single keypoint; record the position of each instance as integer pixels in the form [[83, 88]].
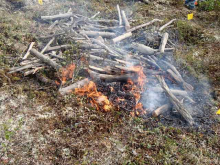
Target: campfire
[[120, 72]]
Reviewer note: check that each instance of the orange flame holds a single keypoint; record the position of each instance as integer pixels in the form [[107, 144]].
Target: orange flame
[[137, 89], [97, 99], [67, 73]]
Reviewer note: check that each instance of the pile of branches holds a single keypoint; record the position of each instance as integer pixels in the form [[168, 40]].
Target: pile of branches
[[111, 50]]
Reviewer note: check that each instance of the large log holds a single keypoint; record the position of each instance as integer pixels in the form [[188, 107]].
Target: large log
[[176, 103], [72, 87]]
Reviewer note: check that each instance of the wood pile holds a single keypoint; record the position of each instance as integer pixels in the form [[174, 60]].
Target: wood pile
[[112, 55]]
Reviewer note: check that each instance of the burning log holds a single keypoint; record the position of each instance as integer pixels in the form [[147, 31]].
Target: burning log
[[167, 24], [45, 59], [176, 103], [59, 16], [143, 49], [164, 108], [163, 42], [95, 34], [72, 87], [125, 20], [109, 78]]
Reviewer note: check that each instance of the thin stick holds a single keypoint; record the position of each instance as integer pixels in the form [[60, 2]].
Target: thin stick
[[125, 20], [48, 44], [167, 24], [28, 51], [119, 15], [164, 108]]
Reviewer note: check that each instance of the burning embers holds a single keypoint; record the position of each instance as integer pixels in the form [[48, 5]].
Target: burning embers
[[101, 102], [97, 99]]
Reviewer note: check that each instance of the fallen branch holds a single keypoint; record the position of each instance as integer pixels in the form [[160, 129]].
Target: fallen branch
[[167, 24], [122, 37], [163, 42], [143, 49], [125, 20], [96, 33], [28, 51], [176, 103], [164, 108], [45, 59], [119, 15]]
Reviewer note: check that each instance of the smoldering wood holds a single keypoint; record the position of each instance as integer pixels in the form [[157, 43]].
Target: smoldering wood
[[71, 88], [164, 108], [163, 42], [176, 103], [125, 20], [96, 33], [45, 59], [28, 51], [180, 81], [172, 67], [167, 24], [121, 37], [119, 15], [58, 16], [109, 78], [143, 48], [176, 92]]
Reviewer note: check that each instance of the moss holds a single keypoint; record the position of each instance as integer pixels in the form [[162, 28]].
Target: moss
[[190, 34]]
